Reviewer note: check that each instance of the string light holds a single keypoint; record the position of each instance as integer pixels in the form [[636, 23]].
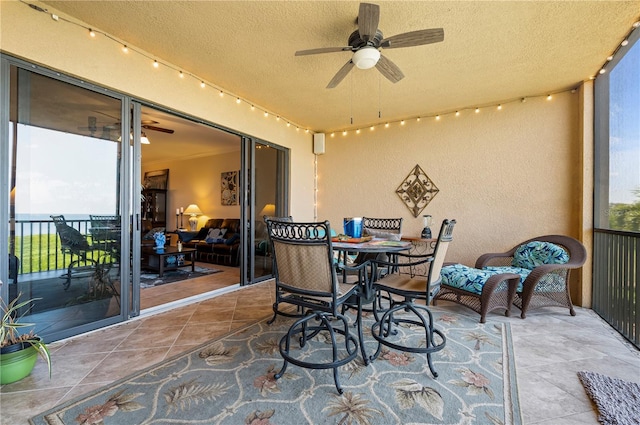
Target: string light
[[439, 116], [623, 43], [126, 49]]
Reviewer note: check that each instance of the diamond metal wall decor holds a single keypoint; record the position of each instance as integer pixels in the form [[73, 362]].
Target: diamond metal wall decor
[[417, 190]]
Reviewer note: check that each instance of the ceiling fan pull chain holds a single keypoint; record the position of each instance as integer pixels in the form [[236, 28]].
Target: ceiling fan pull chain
[[379, 102]]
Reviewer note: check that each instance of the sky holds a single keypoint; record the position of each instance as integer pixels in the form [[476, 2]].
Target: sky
[[62, 173], [624, 128]]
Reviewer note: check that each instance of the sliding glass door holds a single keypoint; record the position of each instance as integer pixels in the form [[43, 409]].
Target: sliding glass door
[[64, 227], [78, 186], [268, 197]]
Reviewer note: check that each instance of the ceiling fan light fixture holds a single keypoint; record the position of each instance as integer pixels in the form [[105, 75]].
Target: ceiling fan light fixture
[[366, 58], [144, 139]]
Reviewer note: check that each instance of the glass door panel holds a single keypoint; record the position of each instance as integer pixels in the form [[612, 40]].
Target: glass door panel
[[269, 195], [64, 221]]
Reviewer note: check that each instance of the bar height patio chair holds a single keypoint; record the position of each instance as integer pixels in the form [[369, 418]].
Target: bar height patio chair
[[401, 290], [306, 277]]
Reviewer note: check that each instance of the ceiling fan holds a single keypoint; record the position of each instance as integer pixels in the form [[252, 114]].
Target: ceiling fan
[[145, 124], [366, 41]]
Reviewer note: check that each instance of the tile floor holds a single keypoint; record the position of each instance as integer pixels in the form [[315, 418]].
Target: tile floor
[[550, 347]]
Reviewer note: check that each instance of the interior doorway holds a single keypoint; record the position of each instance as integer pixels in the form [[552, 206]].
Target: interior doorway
[[189, 174]]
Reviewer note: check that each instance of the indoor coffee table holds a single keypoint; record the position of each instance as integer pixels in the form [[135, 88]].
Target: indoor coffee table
[[169, 258]]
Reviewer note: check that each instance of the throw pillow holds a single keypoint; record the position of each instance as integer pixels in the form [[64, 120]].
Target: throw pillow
[[232, 239], [213, 234], [381, 234]]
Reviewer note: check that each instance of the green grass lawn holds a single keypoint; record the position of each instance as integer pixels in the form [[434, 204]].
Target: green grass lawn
[[39, 253]]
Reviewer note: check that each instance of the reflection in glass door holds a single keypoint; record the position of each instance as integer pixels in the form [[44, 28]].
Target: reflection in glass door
[[65, 214], [269, 194]]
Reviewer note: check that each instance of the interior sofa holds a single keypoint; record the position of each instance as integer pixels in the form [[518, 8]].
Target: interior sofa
[[217, 242]]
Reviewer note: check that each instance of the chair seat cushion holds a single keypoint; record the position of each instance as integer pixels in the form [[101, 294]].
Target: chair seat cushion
[[524, 273], [473, 280], [467, 278], [536, 253]]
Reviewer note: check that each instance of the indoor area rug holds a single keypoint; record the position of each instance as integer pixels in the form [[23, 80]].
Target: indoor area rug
[[148, 280], [230, 381], [618, 401]]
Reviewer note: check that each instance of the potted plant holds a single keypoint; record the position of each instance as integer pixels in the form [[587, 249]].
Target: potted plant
[[18, 351]]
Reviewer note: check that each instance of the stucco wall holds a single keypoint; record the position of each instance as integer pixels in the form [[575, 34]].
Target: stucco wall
[[505, 175], [36, 37]]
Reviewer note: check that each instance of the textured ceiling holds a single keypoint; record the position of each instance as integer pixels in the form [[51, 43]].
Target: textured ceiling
[[492, 51]]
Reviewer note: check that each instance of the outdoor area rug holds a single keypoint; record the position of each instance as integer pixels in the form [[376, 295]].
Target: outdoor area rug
[[618, 401], [230, 381], [148, 280]]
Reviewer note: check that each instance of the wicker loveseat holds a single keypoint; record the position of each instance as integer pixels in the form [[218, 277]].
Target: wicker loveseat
[[542, 264], [217, 242]]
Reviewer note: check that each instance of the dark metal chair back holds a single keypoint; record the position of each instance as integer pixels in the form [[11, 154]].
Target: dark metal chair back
[[71, 240], [390, 225], [303, 258]]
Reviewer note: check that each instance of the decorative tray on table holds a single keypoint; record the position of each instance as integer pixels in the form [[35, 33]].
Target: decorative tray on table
[[349, 239]]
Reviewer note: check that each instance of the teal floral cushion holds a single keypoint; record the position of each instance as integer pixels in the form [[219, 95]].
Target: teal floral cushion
[[524, 273], [466, 278], [536, 253]]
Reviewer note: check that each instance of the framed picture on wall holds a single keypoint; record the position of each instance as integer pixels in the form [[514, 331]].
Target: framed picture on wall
[[156, 179], [229, 188]]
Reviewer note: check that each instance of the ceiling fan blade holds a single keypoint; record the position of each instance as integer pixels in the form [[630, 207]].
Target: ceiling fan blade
[[323, 50], [368, 18], [389, 69], [413, 38], [340, 74], [154, 128]]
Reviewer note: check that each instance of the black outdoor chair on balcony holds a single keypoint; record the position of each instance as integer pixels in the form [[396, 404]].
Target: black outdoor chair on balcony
[[74, 244]]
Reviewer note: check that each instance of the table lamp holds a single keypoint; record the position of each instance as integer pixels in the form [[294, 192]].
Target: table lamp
[[268, 210], [193, 211]]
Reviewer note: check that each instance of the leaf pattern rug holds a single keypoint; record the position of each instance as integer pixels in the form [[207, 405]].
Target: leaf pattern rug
[[230, 381]]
